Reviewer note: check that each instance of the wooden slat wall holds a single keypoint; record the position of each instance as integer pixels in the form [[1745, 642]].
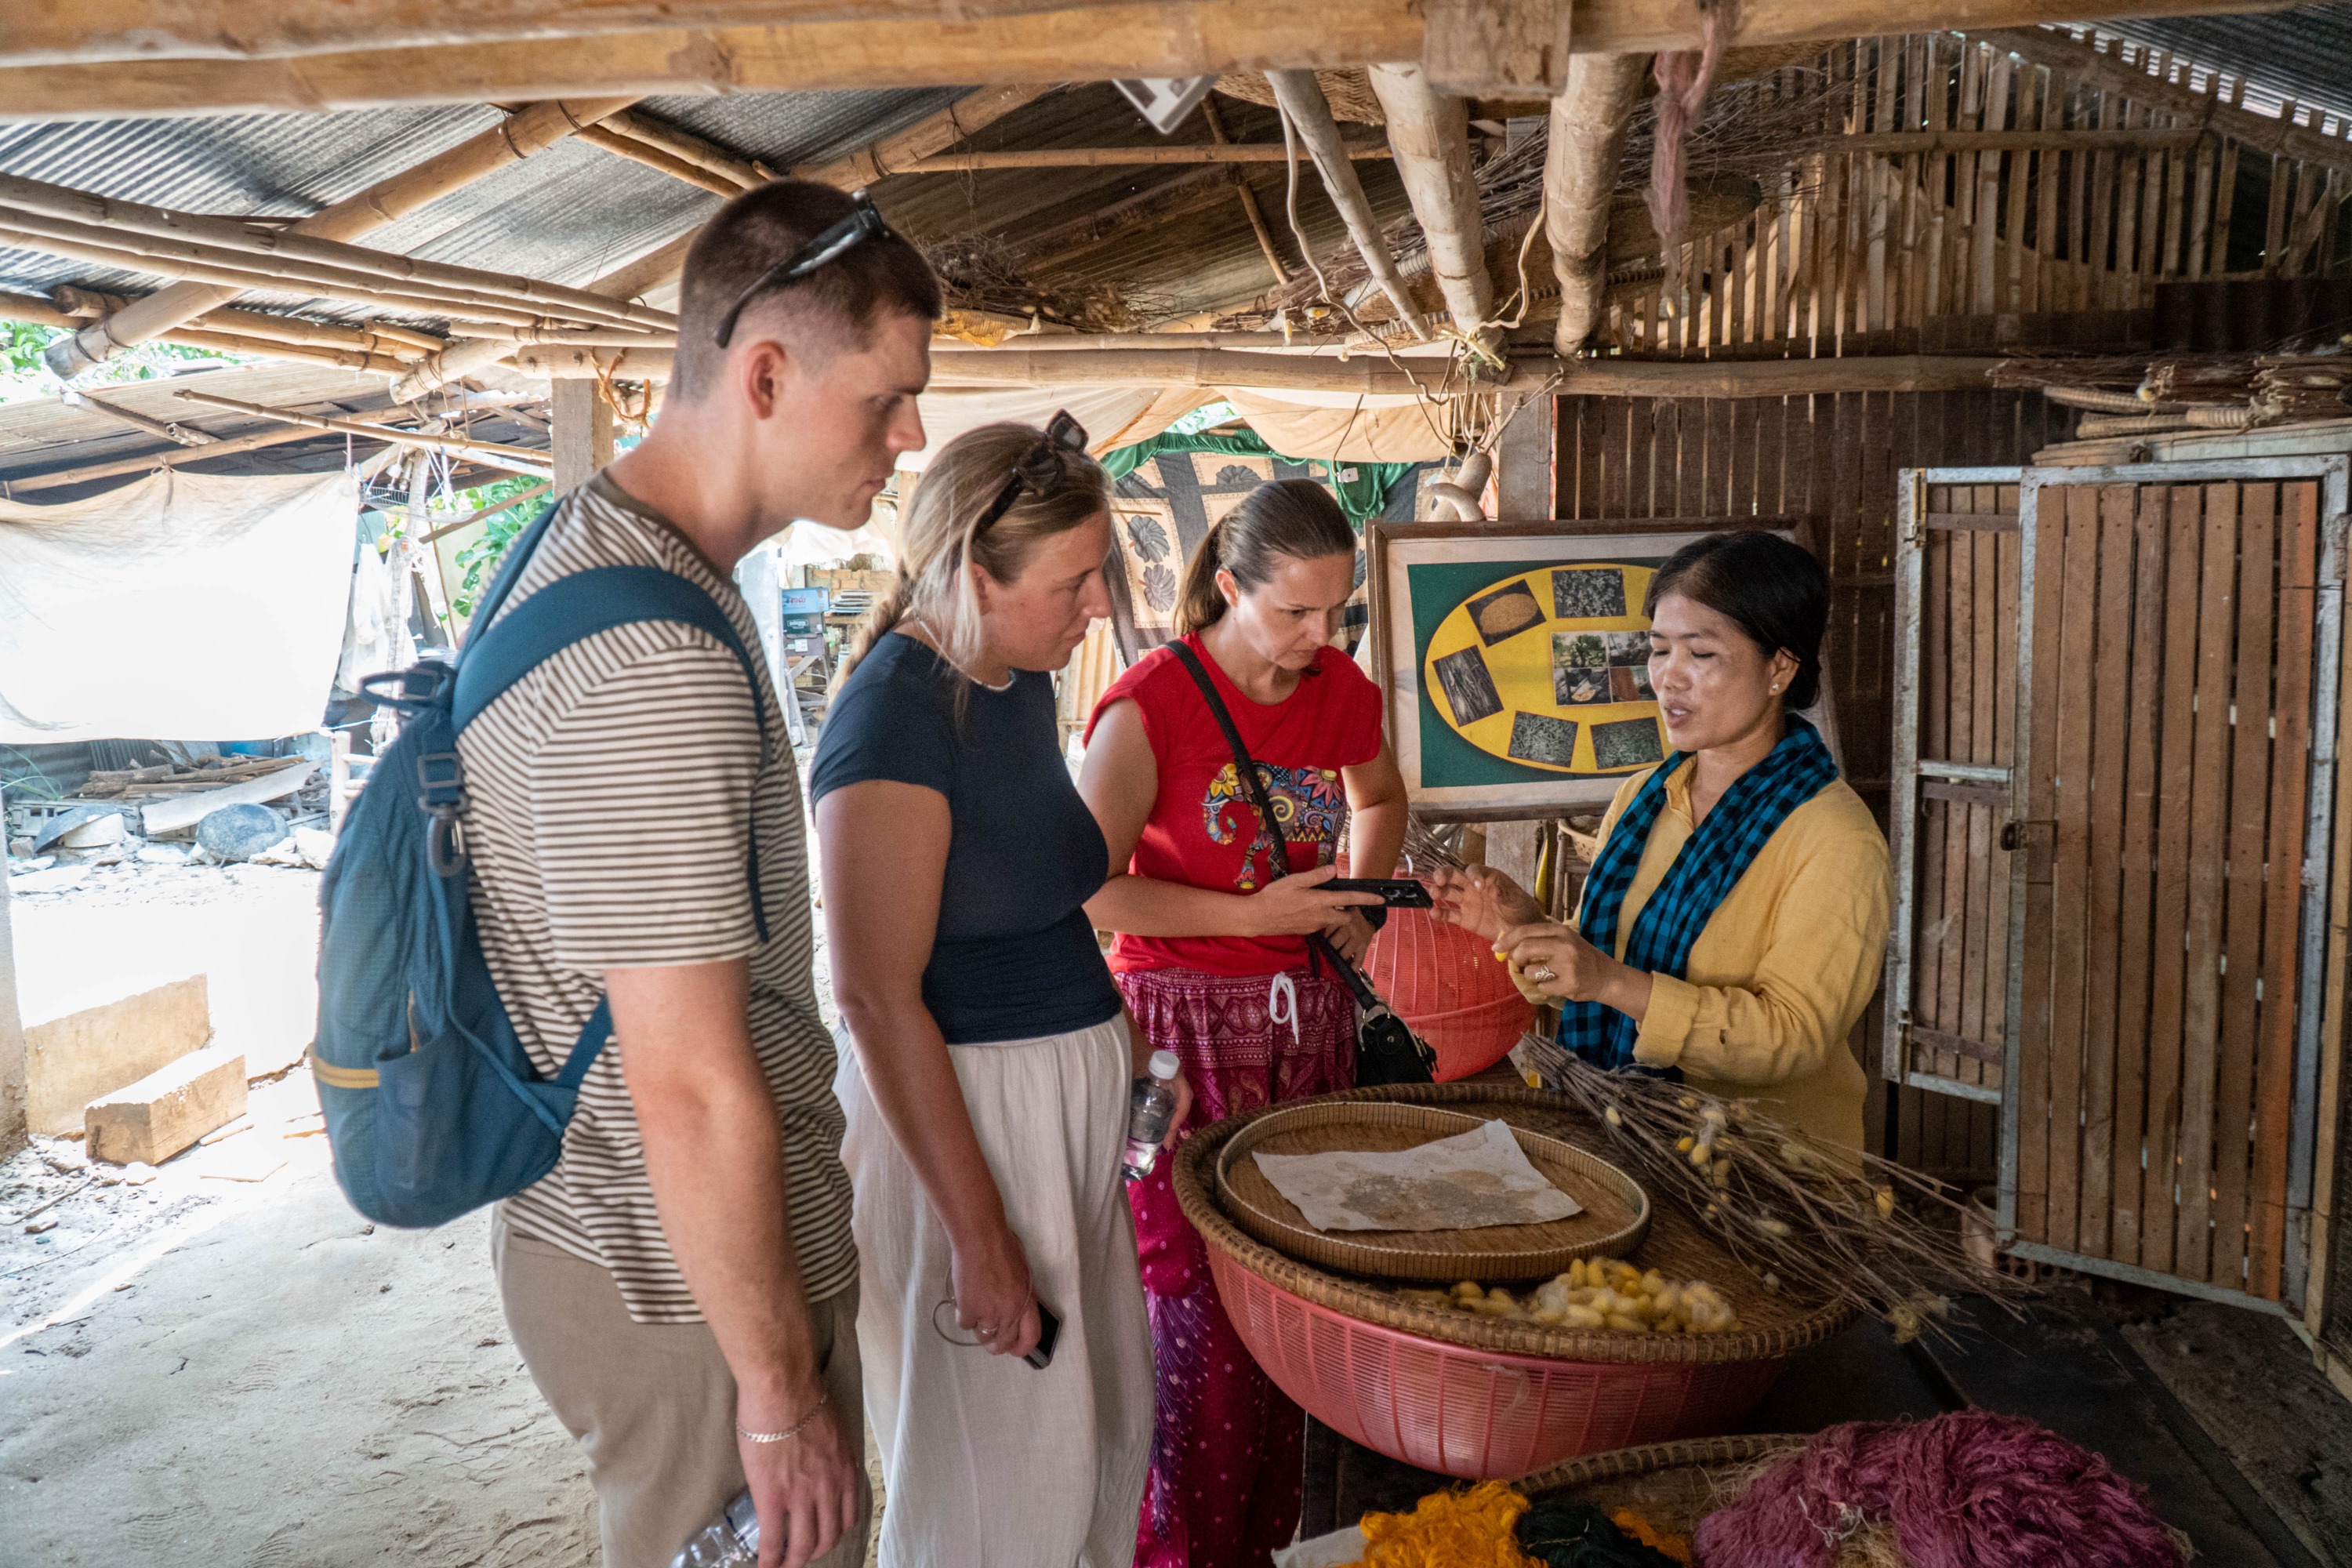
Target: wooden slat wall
[[1848, 244], [2174, 631], [1833, 459]]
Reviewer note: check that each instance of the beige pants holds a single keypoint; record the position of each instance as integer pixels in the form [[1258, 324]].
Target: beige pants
[[653, 1405]]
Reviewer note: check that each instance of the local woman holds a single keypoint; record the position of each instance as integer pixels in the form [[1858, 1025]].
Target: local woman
[[987, 1094], [1212, 957], [1733, 924]]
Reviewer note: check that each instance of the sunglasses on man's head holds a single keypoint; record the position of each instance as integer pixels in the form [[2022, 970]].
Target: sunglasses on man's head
[[1039, 469], [864, 223]]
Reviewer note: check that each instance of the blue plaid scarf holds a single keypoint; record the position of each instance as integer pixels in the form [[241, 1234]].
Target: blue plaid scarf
[[1710, 865]]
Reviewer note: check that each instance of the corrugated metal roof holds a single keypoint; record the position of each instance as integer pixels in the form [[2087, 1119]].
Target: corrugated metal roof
[[2303, 53]]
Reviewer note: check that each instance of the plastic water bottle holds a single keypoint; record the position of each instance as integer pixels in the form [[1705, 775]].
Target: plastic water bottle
[[1149, 1106], [729, 1541]]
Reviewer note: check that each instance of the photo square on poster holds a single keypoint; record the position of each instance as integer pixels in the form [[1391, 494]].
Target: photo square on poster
[[1538, 739], [1506, 613], [1630, 683], [1581, 593], [1626, 743], [1627, 647], [1576, 686], [1469, 687]]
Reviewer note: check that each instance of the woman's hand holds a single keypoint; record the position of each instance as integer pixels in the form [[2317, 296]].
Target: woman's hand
[[1139, 1056], [993, 1299], [1562, 964], [1482, 899], [1351, 934], [1299, 904]]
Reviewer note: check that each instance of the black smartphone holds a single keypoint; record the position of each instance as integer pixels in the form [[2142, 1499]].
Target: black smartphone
[[1396, 892], [1049, 1329]]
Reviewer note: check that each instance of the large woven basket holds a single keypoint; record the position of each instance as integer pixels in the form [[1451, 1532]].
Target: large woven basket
[[1481, 1397], [1616, 1210]]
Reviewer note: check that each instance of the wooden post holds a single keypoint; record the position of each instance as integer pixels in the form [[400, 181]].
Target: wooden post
[[1588, 136], [1301, 97], [582, 423], [1429, 132], [12, 1038], [1523, 459]]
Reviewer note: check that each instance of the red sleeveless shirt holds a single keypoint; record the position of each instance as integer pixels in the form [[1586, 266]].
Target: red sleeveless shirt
[[1201, 831]]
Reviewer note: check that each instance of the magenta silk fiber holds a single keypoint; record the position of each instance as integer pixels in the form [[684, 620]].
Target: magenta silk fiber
[[1969, 1489]]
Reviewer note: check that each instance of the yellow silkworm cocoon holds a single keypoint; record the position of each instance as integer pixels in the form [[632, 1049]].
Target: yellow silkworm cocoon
[[1584, 1318], [1469, 1290], [1703, 1156], [1887, 1202], [1629, 1325], [1686, 1143]]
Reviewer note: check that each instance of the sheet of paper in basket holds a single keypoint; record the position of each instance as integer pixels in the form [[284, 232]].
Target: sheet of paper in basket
[[1477, 1178]]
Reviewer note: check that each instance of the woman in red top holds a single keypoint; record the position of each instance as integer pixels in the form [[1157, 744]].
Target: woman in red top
[[1211, 953]]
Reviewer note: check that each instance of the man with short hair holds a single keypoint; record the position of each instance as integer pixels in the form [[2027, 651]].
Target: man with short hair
[[683, 1286]]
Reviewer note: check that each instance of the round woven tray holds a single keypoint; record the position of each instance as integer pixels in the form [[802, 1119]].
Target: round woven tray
[[1616, 1210], [1772, 1325], [1672, 1485]]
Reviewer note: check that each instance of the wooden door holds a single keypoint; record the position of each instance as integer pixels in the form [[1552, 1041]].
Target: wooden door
[[2136, 855]]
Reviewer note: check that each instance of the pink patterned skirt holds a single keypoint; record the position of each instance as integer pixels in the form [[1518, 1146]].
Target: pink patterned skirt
[[1225, 1460]]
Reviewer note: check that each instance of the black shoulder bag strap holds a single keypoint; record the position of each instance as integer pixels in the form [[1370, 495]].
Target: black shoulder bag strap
[[1387, 1050]]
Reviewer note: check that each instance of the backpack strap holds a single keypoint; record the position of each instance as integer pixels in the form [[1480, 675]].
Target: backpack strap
[[579, 606]]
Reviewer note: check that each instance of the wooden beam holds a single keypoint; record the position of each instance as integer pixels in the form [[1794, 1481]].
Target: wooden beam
[[744, 173], [2117, 141], [1247, 197], [437, 54], [609, 141], [1581, 167], [515, 459], [1030, 366], [1492, 48], [934, 132], [1309, 113], [1430, 133], [178, 435]]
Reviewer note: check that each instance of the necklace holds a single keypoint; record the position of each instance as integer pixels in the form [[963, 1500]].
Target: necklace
[[938, 647]]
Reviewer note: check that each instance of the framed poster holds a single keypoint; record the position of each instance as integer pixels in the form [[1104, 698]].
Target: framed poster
[[1514, 660]]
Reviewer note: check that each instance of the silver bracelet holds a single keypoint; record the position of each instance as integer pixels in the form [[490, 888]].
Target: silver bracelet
[[791, 1431]]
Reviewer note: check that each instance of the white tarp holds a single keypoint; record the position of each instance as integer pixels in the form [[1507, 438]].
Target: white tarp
[[183, 608]]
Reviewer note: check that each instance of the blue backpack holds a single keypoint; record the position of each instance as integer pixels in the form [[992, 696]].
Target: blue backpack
[[432, 1107]]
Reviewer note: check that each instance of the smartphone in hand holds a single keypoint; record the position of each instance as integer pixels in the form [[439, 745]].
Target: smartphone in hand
[[1396, 892], [1049, 1329]]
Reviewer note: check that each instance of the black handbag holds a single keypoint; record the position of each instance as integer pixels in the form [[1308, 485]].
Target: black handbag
[[1387, 1050]]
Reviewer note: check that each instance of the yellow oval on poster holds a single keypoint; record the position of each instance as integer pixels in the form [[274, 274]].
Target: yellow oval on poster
[[1550, 668]]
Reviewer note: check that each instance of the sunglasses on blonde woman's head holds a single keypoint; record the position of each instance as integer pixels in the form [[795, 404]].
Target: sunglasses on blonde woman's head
[[1040, 469], [864, 223]]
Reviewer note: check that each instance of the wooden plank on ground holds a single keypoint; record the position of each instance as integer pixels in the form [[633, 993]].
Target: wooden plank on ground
[[2110, 734], [2282, 977], [2177, 821], [2201, 1029], [2242, 917], [2134, 904]]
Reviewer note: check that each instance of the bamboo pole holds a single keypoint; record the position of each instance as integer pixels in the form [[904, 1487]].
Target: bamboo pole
[[1429, 134], [171, 457], [520, 135], [605, 139], [1250, 209], [1580, 180], [178, 435], [932, 134], [1114, 157], [515, 459], [232, 269], [131, 225], [685, 147], [1301, 99], [266, 348]]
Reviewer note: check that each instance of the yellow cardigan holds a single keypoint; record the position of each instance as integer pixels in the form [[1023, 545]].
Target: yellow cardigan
[[1784, 967]]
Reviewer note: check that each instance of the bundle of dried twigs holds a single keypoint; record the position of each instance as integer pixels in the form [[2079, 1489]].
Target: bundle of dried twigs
[[1820, 1223]]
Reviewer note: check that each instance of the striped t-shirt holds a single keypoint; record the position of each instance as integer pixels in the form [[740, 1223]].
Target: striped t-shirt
[[605, 818]]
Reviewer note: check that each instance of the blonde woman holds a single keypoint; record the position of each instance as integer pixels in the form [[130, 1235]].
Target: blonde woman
[[987, 1094]]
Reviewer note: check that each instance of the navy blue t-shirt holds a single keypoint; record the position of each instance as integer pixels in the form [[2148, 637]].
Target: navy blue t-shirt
[[1015, 956]]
